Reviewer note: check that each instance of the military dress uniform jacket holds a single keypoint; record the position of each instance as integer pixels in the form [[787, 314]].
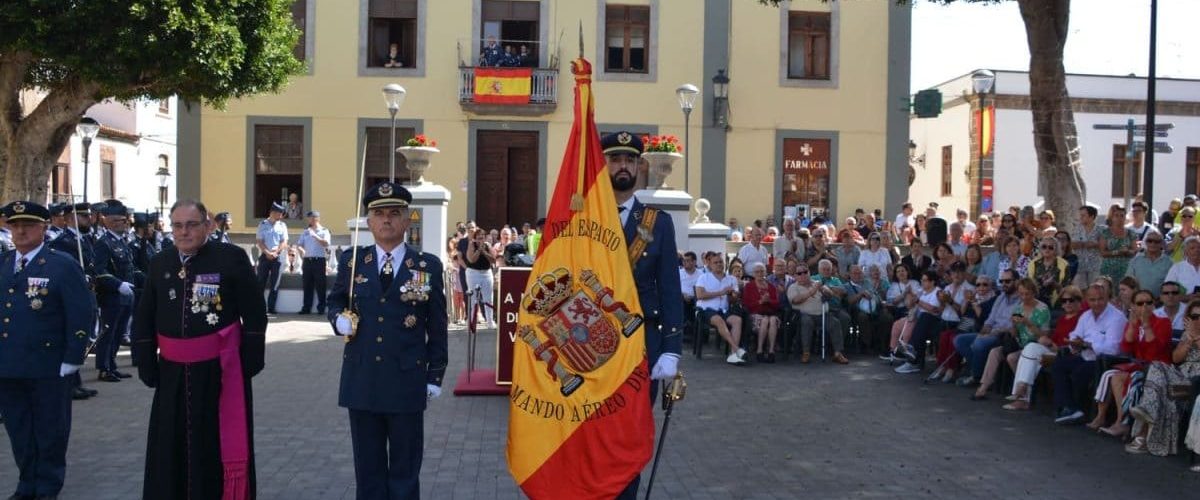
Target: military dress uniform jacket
[[70, 244], [400, 345], [47, 312], [656, 273], [114, 265]]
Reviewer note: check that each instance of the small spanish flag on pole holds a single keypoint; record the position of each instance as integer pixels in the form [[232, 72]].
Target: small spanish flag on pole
[[580, 423]]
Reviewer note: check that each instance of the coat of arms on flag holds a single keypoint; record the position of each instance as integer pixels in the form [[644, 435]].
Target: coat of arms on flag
[[583, 334]]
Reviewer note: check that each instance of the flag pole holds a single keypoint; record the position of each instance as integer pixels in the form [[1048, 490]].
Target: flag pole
[[672, 392]]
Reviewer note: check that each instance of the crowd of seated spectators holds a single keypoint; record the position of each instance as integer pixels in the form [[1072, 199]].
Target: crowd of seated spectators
[[1102, 318]]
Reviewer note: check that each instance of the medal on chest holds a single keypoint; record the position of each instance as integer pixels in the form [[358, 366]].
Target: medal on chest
[[206, 297]]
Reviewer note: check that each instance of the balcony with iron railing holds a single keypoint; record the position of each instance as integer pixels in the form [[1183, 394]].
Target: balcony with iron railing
[[520, 82]]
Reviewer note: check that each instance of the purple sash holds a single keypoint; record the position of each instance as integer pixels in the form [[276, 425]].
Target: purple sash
[[231, 406]]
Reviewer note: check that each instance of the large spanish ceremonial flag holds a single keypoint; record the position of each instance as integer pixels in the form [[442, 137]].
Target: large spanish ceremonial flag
[[503, 85], [580, 423]]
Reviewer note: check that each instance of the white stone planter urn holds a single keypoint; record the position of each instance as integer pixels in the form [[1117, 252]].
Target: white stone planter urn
[[661, 164], [418, 158]]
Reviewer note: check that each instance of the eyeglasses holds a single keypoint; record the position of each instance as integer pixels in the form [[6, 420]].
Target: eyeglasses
[[1047, 247], [1070, 300], [982, 285], [1151, 240], [189, 225], [1005, 281], [1143, 303], [1194, 316], [801, 272], [1170, 292]]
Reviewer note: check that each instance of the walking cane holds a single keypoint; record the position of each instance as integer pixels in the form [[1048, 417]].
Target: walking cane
[[824, 311], [672, 392]]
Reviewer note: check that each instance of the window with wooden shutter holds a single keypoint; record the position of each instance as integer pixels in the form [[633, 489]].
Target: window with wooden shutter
[[808, 45], [1119, 175], [278, 164], [627, 36]]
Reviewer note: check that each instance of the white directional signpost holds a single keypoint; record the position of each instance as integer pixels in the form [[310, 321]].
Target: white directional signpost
[[1133, 147]]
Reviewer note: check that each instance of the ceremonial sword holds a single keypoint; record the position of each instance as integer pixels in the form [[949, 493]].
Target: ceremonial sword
[[348, 312], [672, 392]]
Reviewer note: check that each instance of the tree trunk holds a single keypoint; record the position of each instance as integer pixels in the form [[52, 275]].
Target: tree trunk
[[31, 144], [1054, 136]]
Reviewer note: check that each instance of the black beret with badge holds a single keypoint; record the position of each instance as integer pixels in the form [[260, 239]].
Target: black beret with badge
[[387, 194], [25, 210], [621, 142]]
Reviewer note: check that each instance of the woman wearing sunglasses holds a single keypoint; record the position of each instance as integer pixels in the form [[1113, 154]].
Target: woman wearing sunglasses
[[1034, 353], [1156, 416], [1049, 271], [1147, 338]]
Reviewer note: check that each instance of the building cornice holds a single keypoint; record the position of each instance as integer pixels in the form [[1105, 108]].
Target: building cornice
[[1087, 105]]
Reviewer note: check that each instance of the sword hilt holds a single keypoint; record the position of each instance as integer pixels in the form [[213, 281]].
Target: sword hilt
[[673, 391], [353, 318]]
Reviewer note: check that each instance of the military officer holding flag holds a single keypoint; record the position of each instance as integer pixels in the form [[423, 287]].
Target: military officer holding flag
[[650, 238], [395, 356]]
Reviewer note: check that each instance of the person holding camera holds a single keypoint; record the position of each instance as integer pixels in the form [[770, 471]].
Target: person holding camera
[[480, 260]]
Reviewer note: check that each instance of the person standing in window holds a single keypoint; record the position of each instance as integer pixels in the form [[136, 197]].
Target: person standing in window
[[491, 54], [392, 59], [294, 209]]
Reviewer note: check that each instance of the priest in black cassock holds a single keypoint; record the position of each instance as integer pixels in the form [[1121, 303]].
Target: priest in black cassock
[[199, 339]]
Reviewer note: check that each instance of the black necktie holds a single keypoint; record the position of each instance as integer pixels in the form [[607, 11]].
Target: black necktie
[[21, 264], [386, 276]]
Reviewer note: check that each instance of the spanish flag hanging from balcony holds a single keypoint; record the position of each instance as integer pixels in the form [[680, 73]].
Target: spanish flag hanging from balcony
[[580, 423], [502, 85]]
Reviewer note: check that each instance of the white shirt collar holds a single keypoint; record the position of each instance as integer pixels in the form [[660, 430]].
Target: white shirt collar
[[397, 257], [29, 256], [624, 214]]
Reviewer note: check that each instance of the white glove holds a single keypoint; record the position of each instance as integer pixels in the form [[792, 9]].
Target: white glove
[[342, 325], [432, 392], [666, 367], [67, 369], [126, 288]]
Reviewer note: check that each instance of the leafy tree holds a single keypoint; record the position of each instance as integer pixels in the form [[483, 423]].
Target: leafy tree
[[81, 52], [1054, 135]]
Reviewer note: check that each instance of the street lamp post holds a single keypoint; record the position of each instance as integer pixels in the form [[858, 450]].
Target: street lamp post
[[87, 128], [721, 100], [393, 95], [164, 176], [981, 83], [686, 94]]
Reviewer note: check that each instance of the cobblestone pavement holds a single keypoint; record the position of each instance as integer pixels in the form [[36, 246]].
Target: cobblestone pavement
[[762, 432]]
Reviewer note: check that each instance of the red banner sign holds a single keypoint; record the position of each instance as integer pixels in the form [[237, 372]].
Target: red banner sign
[[512, 286]]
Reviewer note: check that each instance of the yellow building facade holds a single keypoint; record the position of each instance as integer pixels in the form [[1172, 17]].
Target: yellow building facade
[[815, 114]]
